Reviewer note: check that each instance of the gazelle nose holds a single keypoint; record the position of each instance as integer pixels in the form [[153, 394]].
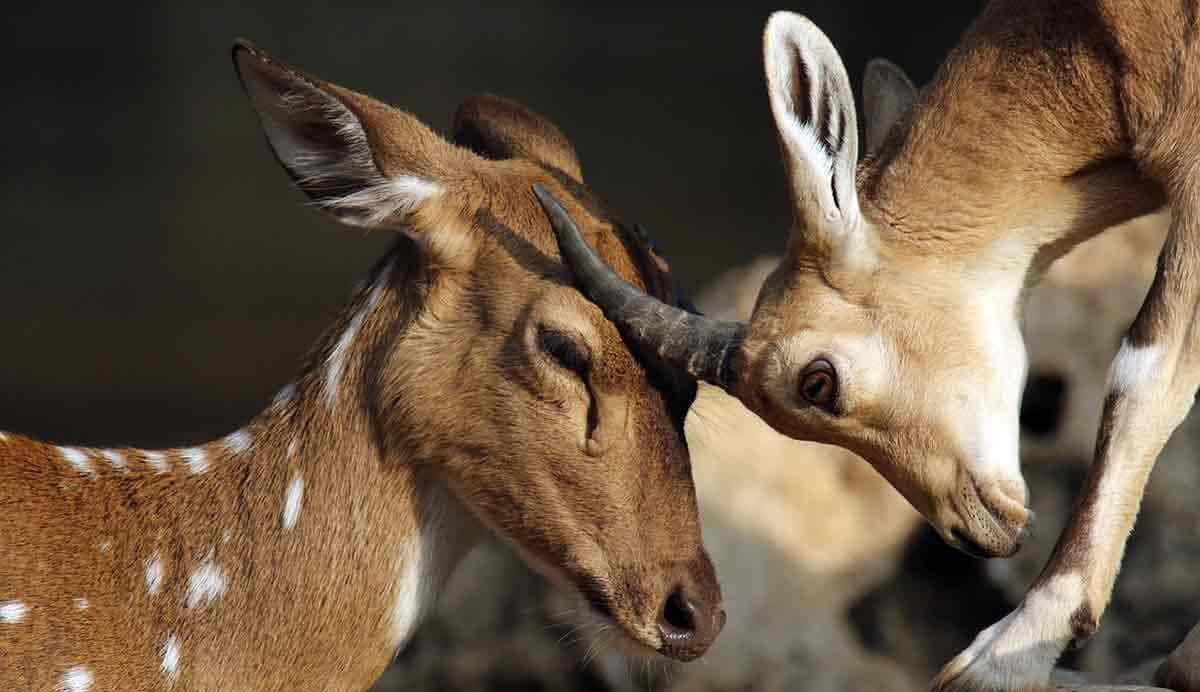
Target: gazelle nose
[[688, 625]]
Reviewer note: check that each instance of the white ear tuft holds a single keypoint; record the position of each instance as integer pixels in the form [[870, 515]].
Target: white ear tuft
[[814, 111], [320, 138], [888, 95]]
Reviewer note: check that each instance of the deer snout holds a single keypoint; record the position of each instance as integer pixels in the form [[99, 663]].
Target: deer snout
[[691, 614]]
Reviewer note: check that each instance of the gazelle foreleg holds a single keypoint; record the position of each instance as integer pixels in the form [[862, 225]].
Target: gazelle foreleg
[[1152, 384]]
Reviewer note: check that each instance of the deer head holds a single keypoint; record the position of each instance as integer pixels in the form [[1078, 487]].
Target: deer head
[[500, 378], [909, 355]]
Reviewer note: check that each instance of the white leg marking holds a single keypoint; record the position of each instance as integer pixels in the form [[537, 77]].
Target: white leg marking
[[157, 461], [76, 679], [116, 459], [206, 584], [81, 604], [1133, 365], [12, 612], [291, 501], [1020, 651], [170, 659], [154, 574], [78, 459], [196, 459], [238, 442]]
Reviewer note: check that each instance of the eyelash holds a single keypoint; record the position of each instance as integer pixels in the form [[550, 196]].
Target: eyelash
[[564, 351]]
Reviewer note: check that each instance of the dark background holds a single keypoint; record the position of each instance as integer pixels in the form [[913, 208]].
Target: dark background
[[159, 278]]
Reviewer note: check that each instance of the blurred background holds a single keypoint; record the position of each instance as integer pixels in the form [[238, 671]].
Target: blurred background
[[160, 279]]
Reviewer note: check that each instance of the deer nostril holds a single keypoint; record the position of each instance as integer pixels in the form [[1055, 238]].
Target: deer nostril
[[678, 619]]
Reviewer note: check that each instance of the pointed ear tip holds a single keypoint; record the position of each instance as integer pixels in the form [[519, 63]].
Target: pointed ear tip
[[784, 19], [882, 69], [244, 53]]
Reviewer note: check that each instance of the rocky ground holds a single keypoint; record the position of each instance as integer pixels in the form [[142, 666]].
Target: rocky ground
[[832, 582]]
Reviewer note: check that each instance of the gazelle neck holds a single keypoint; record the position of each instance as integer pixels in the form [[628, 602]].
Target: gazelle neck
[[1007, 148]]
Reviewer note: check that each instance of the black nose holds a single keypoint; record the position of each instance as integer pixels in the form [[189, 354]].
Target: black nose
[[688, 624], [677, 621]]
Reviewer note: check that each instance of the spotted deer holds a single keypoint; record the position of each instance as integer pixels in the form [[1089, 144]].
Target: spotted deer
[[467, 387], [890, 327]]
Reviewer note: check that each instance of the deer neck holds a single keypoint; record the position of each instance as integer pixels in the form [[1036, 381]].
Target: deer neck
[[297, 537]]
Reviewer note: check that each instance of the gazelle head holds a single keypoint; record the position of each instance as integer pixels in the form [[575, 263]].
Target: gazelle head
[[492, 370], [862, 337]]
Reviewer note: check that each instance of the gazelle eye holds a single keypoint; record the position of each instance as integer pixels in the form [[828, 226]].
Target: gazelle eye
[[565, 351], [818, 384]]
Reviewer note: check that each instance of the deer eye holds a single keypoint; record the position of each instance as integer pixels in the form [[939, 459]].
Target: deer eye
[[565, 351], [819, 385]]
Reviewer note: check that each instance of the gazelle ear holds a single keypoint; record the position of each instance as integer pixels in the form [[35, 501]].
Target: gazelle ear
[[497, 128], [364, 162], [814, 112], [888, 95]]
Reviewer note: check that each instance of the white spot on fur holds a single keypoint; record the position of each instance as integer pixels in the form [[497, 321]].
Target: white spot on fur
[[380, 285], [157, 461], [76, 679], [291, 501], [196, 459], [239, 442], [12, 612], [335, 364], [115, 458], [337, 359], [227, 536], [170, 659], [291, 449], [154, 574], [78, 459], [81, 604], [206, 584], [1133, 365], [406, 608], [105, 546], [285, 396]]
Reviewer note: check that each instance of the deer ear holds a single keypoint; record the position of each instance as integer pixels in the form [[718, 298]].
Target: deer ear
[[814, 113], [364, 162], [888, 95], [497, 128]]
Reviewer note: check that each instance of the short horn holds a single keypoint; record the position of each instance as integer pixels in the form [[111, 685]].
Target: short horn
[[703, 348]]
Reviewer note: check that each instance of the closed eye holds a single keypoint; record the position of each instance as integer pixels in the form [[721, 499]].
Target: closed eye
[[567, 352]]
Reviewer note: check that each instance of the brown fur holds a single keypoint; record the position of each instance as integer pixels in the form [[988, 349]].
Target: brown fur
[[447, 412], [1050, 122]]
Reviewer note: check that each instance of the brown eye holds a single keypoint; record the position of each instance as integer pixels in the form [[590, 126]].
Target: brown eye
[[818, 384]]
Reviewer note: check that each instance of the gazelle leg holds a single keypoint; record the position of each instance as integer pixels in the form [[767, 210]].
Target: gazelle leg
[[1152, 385]]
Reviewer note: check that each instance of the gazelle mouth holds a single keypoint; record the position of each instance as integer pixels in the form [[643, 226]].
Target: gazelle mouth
[[967, 545]]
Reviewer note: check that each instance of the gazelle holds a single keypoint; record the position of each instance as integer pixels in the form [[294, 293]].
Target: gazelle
[[891, 326], [466, 385]]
